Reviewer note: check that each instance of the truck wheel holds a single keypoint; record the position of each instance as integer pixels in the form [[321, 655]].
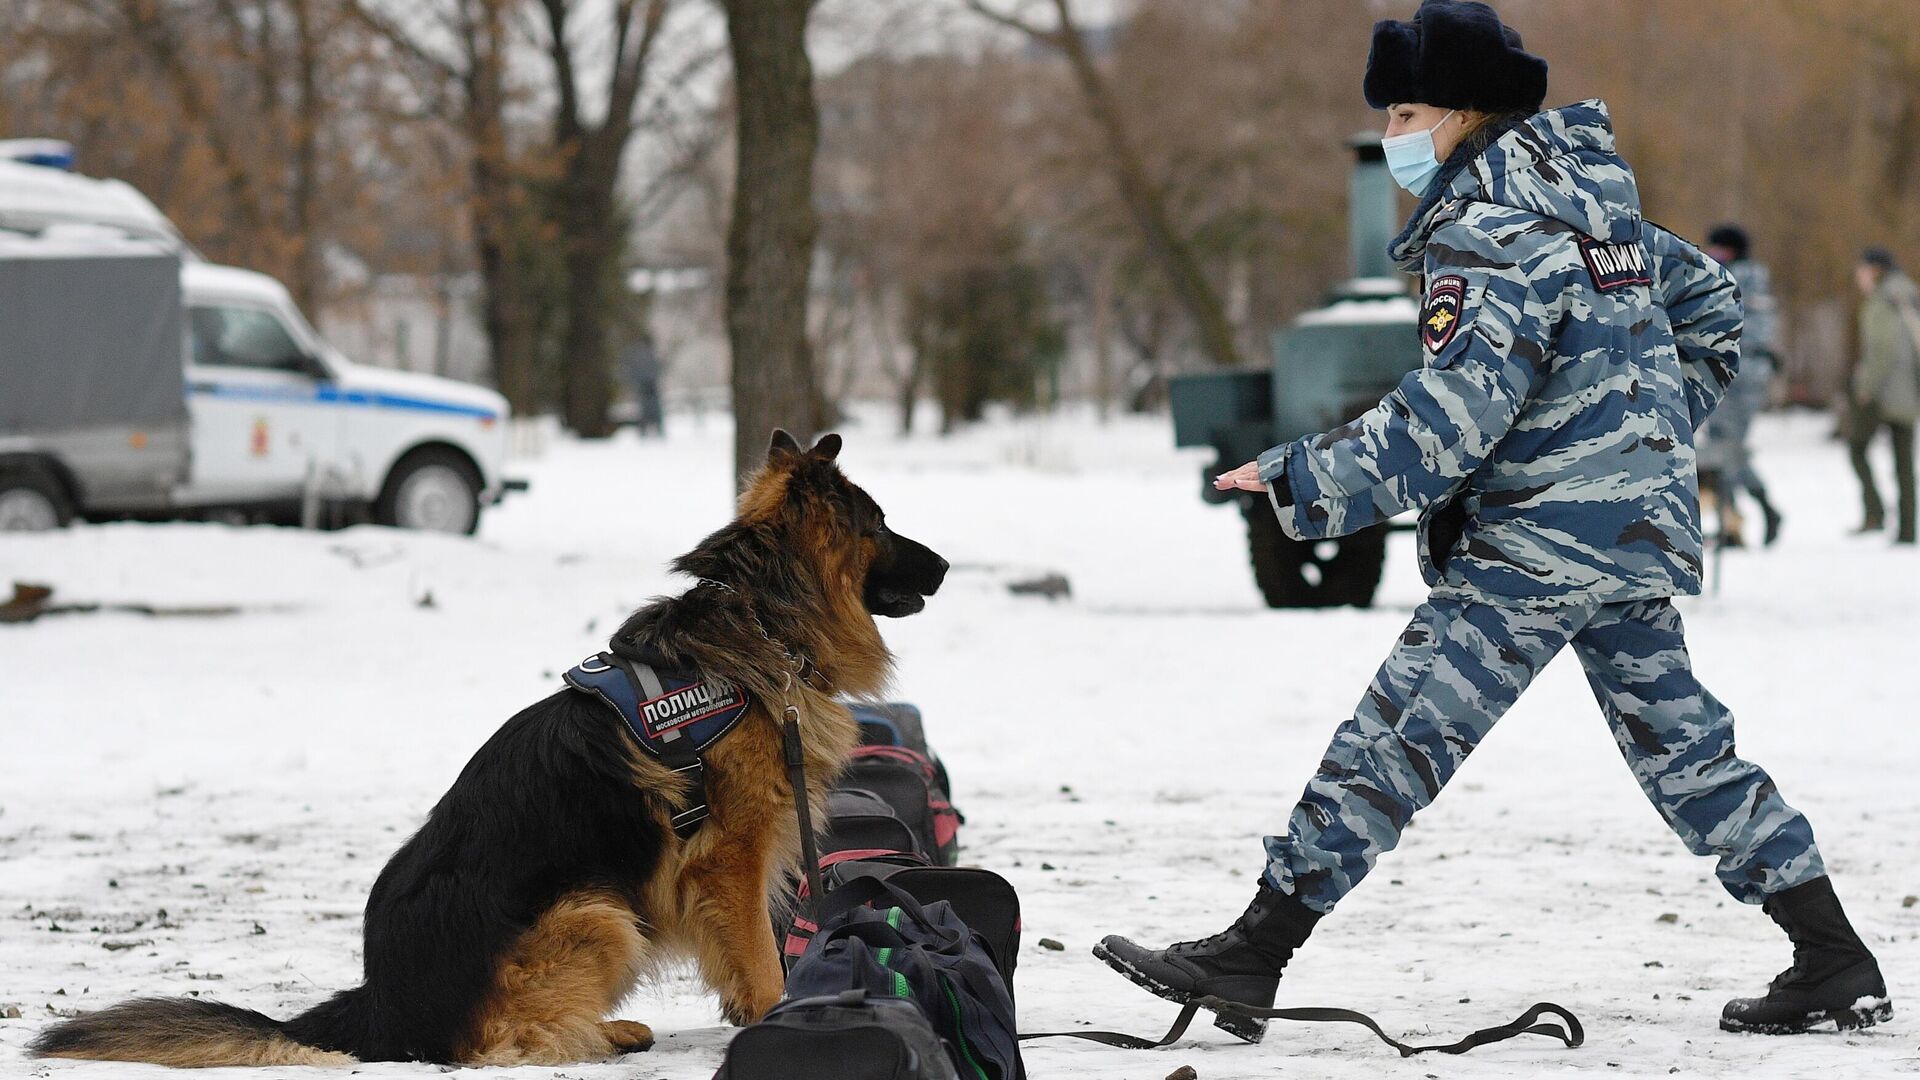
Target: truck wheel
[[32, 500], [433, 490], [1313, 573]]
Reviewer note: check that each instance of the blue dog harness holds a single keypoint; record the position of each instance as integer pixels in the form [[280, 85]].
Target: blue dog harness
[[674, 718]]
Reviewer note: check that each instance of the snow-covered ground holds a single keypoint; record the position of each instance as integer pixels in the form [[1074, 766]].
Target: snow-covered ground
[[198, 805]]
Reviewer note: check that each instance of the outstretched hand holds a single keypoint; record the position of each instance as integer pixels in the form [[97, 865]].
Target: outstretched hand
[[1244, 478]]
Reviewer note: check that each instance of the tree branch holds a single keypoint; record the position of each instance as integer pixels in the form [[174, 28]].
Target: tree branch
[[568, 124], [391, 32], [630, 71], [1050, 38]]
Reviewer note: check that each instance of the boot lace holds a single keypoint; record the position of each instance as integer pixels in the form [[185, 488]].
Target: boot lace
[[1205, 944]]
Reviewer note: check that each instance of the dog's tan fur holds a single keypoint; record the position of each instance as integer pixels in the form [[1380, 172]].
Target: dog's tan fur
[[190, 1046]]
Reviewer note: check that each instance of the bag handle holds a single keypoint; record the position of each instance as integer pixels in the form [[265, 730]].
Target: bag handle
[[1527, 1023], [862, 890]]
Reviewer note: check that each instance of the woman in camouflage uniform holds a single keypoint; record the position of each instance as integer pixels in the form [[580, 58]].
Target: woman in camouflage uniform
[[1572, 349]]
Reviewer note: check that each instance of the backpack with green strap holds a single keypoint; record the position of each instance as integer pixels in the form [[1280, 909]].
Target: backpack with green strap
[[924, 954]]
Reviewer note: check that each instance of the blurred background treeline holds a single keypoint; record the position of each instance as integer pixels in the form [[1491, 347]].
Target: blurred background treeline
[[1022, 201]]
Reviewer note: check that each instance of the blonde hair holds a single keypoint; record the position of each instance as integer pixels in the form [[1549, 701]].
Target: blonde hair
[[1484, 127]]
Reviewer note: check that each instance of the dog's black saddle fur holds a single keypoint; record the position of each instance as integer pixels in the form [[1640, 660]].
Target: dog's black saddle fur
[[673, 716]]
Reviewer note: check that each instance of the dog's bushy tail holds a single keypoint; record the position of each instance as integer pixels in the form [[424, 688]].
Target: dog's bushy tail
[[181, 1032]]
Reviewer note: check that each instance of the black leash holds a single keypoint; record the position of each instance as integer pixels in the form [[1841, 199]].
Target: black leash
[[797, 776], [1527, 1023]]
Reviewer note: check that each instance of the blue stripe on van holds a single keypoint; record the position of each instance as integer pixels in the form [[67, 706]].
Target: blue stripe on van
[[329, 394]]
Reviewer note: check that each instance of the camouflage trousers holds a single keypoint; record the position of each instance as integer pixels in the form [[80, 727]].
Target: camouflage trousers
[[1459, 666]]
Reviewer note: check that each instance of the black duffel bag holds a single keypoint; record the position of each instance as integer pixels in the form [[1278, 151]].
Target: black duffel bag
[[982, 899], [852, 1035], [921, 953]]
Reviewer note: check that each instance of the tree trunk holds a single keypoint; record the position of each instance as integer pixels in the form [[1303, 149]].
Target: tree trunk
[[587, 222], [770, 240], [1145, 203], [589, 225], [1104, 377], [506, 310], [309, 259]]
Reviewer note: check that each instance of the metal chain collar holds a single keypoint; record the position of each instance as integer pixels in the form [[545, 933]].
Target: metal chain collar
[[797, 663]]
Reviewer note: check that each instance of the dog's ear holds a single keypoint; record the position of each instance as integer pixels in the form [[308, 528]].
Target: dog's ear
[[783, 443], [827, 448]]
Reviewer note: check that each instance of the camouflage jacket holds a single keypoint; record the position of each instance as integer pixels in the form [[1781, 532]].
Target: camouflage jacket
[[1757, 306], [1571, 349]]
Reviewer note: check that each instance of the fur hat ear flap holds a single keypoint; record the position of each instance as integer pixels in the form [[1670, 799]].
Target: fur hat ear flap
[[1526, 82], [827, 448], [1391, 63], [783, 443]]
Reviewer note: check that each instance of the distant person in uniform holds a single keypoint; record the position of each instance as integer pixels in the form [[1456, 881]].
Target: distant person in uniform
[[1726, 461], [642, 367], [1570, 350], [1886, 385]]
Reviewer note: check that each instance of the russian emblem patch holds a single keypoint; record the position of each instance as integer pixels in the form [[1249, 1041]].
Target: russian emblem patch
[[1440, 316]]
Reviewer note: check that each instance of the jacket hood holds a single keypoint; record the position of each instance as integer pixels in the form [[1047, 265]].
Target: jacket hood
[[1899, 289], [1559, 164]]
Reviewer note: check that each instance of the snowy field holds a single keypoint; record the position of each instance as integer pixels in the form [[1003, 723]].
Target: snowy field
[[197, 806]]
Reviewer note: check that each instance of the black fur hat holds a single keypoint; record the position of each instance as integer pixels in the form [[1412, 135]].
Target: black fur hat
[[1455, 54], [1732, 237]]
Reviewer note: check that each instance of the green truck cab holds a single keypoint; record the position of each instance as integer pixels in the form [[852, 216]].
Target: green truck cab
[[1332, 364]]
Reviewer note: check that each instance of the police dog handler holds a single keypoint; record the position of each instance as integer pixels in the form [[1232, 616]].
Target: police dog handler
[[1571, 349]]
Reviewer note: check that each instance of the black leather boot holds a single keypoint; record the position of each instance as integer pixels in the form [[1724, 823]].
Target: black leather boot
[[1833, 976], [1773, 521], [1241, 963]]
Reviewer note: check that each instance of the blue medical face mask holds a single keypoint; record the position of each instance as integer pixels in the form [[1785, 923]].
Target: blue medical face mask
[[1412, 159]]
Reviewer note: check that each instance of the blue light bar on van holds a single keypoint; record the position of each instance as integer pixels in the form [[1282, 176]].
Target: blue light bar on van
[[51, 153]]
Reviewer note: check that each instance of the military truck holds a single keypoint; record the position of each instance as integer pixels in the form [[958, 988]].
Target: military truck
[[1329, 366]]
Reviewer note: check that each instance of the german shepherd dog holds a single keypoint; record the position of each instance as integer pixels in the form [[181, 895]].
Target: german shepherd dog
[[547, 880]]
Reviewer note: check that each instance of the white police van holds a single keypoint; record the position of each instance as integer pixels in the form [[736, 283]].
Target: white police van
[[137, 380]]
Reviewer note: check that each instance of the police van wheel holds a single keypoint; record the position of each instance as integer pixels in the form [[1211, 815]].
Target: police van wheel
[[1313, 573], [432, 490], [32, 500]]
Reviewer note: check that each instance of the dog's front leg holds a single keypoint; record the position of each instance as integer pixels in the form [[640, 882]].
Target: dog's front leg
[[732, 933]]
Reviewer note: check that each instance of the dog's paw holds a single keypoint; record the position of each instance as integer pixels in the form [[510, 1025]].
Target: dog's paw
[[627, 1036], [741, 1014]]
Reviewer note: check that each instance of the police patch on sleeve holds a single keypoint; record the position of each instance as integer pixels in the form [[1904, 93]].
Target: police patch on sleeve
[[1440, 316], [1615, 266]]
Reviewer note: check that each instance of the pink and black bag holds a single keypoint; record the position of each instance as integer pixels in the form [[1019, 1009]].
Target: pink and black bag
[[910, 782]]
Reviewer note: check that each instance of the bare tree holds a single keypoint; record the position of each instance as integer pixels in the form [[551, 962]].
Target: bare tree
[[572, 197], [458, 54], [770, 239], [1144, 200], [274, 133], [586, 210]]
